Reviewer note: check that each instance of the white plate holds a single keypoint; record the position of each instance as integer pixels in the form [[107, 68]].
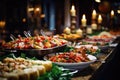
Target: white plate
[[80, 65]]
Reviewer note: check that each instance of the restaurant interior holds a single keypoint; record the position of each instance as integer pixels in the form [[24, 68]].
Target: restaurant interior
[[59, 39]]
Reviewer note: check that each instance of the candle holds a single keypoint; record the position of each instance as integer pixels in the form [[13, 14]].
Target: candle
[[73, 11], [83, 20], [94, 14], [99, 19], [79, 32], [67, 30], [89, 30], [94, 26], [112, 13]]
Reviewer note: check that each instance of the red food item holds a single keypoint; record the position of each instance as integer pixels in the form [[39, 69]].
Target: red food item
[[69, 57], [37, 42]]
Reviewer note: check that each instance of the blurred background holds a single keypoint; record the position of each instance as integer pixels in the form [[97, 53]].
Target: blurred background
[[17, 16]]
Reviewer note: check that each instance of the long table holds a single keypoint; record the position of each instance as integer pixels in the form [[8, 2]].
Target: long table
[[105, 68]]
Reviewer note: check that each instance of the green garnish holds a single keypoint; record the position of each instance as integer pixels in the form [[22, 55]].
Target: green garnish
[[45, 41], [67, 49], [56, 74], [93, 53], [12, 55]]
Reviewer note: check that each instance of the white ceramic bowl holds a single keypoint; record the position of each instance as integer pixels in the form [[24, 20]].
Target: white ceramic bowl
[[80, 65]]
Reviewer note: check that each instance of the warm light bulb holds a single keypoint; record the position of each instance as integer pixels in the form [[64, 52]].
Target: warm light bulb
[[37, 9], [118, 11]]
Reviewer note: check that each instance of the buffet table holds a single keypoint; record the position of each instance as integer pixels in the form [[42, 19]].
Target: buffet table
[[102, 69]]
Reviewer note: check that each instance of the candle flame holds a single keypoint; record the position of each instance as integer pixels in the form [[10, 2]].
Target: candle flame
[[83, 17], [73, 7], [94, 12], [99, 17]]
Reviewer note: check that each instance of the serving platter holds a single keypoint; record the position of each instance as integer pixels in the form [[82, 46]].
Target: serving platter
[[34, 46], [38, 53], [76, 65]]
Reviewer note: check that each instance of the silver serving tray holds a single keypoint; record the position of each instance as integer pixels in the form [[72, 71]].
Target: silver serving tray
[[38, 53]]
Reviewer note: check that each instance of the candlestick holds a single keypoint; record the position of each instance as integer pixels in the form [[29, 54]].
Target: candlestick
[[83, 20], [99, 19], [73, 11], [94, 14]]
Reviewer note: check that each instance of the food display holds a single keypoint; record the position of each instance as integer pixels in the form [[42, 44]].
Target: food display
[[115, 32], [69, 57], [36, 42], [95, 42], [103, 35], [71, 60], [69, 37], [23, 69], [59, 39], [89, 49], [75, 59], [103, 39]]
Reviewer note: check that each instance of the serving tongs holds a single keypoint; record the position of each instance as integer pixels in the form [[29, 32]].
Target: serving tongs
[[43, 33], [70, 71], [27, 33], [12, 37], [72, 44]]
